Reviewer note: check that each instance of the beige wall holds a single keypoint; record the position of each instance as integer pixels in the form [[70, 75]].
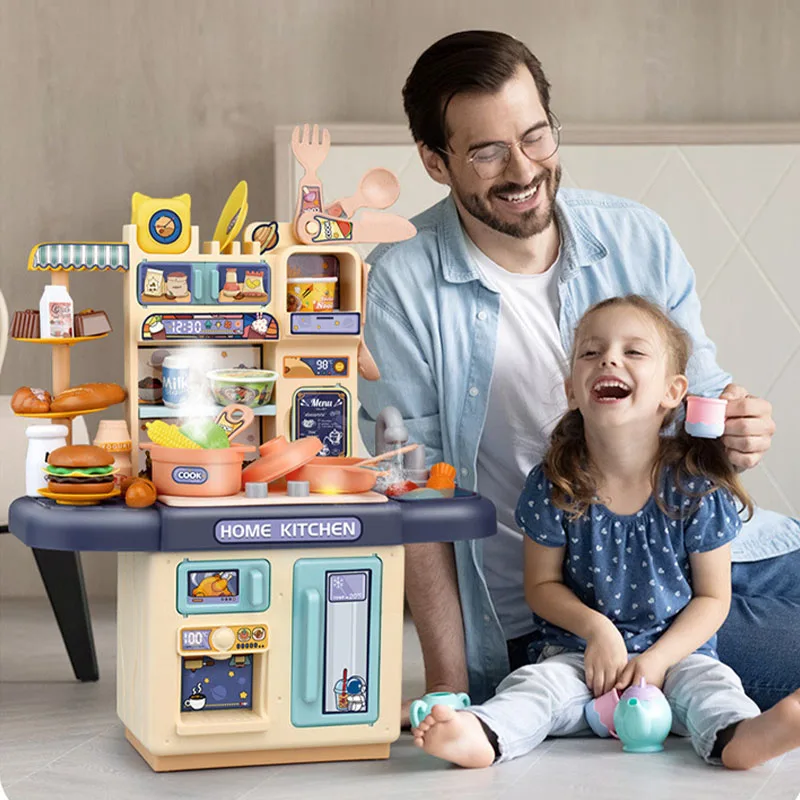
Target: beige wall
[[104, 97]]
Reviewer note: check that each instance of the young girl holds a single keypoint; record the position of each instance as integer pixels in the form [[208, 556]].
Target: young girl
[[627, 562]]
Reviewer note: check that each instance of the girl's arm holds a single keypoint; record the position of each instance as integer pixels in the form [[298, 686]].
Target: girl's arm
[[547, 595], [706, 611], [695, 625], [606, 654]]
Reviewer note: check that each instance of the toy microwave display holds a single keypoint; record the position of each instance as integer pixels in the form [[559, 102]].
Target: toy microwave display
[[260, 599]]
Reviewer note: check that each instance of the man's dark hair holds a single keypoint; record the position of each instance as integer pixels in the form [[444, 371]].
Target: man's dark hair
[[468, 61]]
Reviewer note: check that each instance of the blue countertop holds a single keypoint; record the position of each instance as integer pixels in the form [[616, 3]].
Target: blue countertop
[[113, 526]]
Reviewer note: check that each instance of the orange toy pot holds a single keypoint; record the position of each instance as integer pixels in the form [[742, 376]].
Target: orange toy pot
[[335, 475], [197, 473]]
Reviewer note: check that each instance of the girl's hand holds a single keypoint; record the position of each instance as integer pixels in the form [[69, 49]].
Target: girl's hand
[[648, 666], [605, 658]]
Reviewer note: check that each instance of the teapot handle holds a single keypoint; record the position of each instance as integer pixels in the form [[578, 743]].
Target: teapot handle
[[418, 712]]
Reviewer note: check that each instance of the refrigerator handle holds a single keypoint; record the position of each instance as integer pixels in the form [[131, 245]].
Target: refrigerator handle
[[312, 678]]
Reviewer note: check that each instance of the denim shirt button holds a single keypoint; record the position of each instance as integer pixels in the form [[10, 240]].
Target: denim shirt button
[[474, 391], [464, 471], [481, 315]]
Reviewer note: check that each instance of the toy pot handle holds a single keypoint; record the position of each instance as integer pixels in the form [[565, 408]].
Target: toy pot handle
[[418, 712], [463, 698]]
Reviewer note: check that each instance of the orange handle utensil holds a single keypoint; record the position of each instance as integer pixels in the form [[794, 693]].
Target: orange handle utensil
[[383, 456], [233, 419]]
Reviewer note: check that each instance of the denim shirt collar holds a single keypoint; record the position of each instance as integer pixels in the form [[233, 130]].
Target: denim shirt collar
[[580, 247]]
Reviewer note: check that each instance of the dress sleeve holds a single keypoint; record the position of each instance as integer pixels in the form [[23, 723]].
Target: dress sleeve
[[715, 522], [536, 515]]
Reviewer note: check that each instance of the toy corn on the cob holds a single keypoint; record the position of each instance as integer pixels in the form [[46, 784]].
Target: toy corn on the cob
[[169, 436]]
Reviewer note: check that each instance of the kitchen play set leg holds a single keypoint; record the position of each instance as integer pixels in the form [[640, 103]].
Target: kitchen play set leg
[[260, 599]]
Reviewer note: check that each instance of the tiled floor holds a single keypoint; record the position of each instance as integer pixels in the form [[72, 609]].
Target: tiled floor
[[61, 740]]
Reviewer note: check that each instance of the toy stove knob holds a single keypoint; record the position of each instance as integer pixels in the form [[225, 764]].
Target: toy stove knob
[[222, 638]]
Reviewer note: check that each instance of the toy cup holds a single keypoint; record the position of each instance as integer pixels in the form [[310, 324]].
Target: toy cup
[[705, 417], [422, 707], [599, 713]]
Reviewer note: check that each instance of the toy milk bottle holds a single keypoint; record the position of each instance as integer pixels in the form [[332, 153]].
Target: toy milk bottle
[[113, 435], [42, 440], [56, 313]]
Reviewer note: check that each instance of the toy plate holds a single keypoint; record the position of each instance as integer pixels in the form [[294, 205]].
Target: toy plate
[[62, 414], [65, 499]]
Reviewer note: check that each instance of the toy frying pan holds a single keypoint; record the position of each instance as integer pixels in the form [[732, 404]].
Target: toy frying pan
[[232, 217], [336, 475]]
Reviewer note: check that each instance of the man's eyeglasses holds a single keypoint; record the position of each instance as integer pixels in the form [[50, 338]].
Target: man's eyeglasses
[[538, 145]]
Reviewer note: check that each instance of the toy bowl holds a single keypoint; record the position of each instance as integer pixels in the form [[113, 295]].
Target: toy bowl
[[249, 387]]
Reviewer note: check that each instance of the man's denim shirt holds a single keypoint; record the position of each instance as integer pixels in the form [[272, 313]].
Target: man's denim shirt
[[431, 325]]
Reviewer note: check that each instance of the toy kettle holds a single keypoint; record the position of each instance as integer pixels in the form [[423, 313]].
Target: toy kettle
[[642, 719]]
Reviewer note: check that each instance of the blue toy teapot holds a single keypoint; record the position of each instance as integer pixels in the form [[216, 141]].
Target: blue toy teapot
[[422, 707], [642, 719]]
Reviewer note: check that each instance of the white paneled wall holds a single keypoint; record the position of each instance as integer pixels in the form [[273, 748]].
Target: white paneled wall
[[732, 207]]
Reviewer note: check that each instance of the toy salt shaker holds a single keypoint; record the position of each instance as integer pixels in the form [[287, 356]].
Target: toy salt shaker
[[42, 440]]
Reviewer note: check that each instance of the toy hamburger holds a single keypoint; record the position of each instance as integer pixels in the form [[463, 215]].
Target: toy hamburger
[[80, 469]]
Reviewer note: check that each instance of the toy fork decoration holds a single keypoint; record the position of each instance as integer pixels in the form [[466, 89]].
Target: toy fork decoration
[[312, 224], [310, 151]]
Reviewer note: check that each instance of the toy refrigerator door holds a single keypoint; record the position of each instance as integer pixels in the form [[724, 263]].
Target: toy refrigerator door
[[336, 618]]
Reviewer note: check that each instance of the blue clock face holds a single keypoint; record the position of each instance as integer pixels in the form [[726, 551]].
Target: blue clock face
[[165, 226]]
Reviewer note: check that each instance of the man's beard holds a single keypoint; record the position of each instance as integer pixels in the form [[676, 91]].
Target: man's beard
[[530, 223]]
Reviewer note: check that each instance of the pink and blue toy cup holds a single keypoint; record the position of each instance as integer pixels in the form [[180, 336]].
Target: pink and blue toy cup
[[705, 417]]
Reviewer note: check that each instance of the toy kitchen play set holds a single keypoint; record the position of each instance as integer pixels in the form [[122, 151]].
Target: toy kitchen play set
[[260, 581]]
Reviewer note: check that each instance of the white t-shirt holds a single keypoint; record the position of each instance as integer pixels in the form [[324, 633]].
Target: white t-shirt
[[526, 400]]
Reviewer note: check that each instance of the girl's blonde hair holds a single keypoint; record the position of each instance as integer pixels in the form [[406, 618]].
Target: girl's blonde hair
[[567, 463]]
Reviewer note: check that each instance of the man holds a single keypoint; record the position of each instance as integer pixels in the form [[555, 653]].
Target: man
[[471, 325]]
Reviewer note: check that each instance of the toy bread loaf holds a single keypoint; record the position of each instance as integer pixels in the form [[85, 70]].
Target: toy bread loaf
[[30, 401], [87, 396]]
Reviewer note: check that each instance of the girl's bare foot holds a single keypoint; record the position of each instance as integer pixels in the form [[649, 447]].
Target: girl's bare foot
[[455, 736], [766, 736]]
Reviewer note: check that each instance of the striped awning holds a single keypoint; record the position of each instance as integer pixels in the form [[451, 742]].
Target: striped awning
[[79, 256]]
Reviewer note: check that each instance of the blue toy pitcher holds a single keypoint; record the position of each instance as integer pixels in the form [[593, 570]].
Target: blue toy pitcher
[[422, 707]]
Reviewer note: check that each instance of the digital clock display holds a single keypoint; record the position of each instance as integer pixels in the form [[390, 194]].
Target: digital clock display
[[204, 326], [195, 640]]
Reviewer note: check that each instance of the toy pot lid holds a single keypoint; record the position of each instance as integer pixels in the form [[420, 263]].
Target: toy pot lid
[[279, 457]]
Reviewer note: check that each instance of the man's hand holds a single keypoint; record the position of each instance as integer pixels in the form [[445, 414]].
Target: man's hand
[[648, 666], [605, 658], [749, 426]]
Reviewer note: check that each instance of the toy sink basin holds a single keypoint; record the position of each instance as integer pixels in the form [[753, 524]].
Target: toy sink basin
[[249, 387]]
